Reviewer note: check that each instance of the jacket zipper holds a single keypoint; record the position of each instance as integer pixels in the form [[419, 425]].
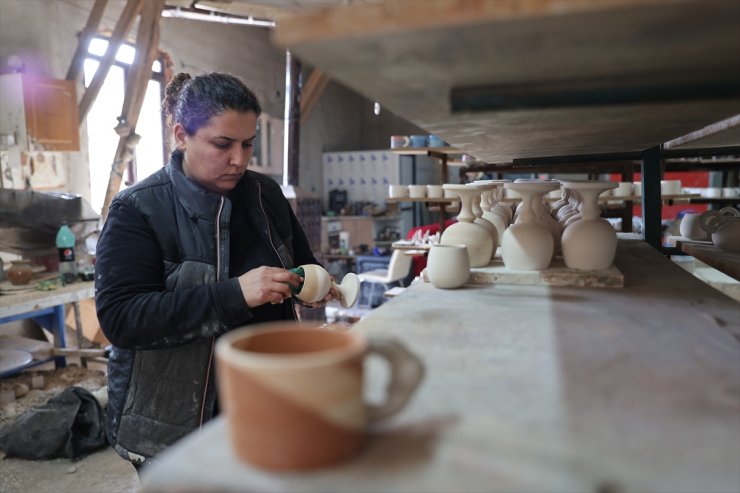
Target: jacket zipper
[[269, 238], [213, 339]]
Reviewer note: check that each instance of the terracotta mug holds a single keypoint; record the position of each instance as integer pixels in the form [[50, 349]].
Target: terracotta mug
[[293, 395]]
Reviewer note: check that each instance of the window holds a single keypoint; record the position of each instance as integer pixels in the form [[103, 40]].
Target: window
[[103, 116]]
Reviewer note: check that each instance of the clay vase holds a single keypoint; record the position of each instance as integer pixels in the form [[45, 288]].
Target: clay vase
[[564, 200], [542, 213], [724, 226], [691, 227], [493, 216], [20, 272], [527, 245], [448, 266], [479, 212], [317, 283], [591, 242], [477, 238], [500, 206]]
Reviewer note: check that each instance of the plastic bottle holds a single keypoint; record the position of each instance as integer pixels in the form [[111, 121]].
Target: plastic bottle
[[66, 249]]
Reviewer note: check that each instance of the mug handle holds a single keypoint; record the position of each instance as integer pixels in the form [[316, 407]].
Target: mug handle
[[710, 221], [729, 212], [407, 371]]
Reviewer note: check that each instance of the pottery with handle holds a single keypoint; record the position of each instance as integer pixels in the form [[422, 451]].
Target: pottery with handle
[[724, 227]]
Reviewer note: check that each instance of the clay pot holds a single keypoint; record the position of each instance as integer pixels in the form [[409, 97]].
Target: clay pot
[[448, 266], [20, 272]]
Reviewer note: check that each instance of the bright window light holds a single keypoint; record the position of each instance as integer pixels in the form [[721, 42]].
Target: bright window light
[[125, 52], [102, 119]]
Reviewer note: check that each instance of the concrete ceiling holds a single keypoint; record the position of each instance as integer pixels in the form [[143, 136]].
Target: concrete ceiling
[[261, 9]]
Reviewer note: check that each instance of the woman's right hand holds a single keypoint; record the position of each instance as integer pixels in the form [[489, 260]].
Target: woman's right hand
[[267, 284]]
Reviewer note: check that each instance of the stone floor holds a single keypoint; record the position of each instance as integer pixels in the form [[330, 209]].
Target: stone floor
[[103, 471]]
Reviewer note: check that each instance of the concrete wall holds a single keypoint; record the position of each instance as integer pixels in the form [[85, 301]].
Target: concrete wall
[[44, 34]]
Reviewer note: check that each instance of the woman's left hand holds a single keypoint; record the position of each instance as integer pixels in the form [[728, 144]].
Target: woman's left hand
[[333, 294]]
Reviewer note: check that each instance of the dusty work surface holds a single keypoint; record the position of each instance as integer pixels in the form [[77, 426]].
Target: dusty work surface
[[535, 388], [102, 471]]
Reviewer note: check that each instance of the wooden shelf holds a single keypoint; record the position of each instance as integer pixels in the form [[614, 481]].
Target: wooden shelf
[[425, 151], [395, 200], [722, 260]]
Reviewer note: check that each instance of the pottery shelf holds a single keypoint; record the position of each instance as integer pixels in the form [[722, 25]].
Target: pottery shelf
[[486, 99], [393, 200], [722, 260]]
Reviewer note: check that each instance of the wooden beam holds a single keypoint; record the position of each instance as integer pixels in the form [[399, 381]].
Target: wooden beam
[[147, 48], [312, 91], [123, 26], [96, 14]]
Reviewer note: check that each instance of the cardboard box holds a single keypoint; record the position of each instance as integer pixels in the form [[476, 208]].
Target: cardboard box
[[90, 327]]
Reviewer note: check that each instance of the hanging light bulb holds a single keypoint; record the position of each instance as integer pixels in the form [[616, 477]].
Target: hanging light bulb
[[376, 108]]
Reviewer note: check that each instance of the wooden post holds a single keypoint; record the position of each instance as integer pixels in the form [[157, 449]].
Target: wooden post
[[84, 39], [312, 91], [147, 47], [123, 26]]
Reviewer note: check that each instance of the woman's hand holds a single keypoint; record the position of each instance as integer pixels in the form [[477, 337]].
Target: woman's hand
[[267, 284], [333, 294]]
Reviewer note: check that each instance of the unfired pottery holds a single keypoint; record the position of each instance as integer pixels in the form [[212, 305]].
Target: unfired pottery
[[724, 226], [690, 227], [317, 283], [526, 244], [477, 238], [591, 242], [448, 266]]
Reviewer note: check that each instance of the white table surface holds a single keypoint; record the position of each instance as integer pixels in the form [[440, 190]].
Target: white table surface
[[535, 388]]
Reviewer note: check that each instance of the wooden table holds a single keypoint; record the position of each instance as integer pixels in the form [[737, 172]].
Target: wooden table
[[722, 260], [535, 388], [47, 309]]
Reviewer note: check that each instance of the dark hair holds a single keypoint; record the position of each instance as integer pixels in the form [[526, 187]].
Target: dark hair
[[192, 101]]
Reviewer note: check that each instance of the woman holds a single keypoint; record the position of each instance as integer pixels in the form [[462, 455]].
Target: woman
[[193, 251]]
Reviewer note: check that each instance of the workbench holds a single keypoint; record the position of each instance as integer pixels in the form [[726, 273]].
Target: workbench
[[534, 388], [47, 309]]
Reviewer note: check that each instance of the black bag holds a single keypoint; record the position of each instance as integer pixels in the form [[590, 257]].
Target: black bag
[[72, 424]]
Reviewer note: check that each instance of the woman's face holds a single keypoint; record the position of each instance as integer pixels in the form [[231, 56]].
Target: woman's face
[[216, 157]]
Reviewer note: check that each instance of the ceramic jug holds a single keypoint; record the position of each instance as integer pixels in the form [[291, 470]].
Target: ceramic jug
[[690, 227], [724, 226]]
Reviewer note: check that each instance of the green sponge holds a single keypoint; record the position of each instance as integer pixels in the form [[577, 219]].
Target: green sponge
[[300, 272]]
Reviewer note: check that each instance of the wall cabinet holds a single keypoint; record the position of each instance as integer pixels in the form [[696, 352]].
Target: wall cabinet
[[40, 113]]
